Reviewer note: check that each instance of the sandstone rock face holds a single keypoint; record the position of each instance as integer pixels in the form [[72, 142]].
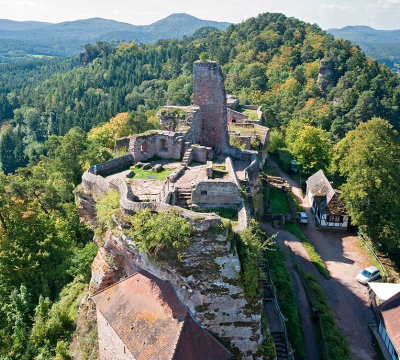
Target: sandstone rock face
[[325, 74], [204, 277]]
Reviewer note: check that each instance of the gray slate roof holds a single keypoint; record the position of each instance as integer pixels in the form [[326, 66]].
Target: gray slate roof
[[324, 194]]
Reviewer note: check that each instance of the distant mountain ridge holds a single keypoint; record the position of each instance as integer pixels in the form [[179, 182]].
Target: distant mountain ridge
[[366, 34], [175, 25], [383, 45], [20, 40]]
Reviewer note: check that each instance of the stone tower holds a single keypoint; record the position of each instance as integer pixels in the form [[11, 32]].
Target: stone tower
[[209, 93]]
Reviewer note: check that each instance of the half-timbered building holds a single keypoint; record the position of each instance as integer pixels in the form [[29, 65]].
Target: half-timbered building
[[325, 202]]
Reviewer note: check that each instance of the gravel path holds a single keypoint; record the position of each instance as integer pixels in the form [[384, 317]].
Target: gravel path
[[344, 257]]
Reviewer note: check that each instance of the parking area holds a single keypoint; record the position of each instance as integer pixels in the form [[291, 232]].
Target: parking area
[[344, 257]]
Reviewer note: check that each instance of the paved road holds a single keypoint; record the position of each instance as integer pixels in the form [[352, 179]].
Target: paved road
[[344, 258]]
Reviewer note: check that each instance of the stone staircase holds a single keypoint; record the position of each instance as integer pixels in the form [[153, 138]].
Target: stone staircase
[[270, 307], [249, 197], [187, 157], [183, 197], [280, 347]]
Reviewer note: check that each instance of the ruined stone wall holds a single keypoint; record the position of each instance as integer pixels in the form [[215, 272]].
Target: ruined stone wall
[[252, 172], [243, 141], [236, 116], [209, 93], [259, 112], [99, 185], [113, 165], [122, 143], [231, 170], [244, 217], [111, 347], [202, 153], [164, 144], [95, 184], [265, 137], [217, 191]]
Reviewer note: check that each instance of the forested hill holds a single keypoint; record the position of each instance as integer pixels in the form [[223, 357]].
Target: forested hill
[[51, 112], [383, 45], [270, 60], [19, 39]]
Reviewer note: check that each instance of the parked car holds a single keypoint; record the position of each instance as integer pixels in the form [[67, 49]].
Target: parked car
[[369, 274], [302, 217]]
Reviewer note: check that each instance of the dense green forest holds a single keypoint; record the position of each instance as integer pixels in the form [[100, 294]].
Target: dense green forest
[[47, 108]]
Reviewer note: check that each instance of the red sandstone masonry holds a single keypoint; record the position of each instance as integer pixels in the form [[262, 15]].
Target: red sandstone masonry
[[209, 93], [111, 347]]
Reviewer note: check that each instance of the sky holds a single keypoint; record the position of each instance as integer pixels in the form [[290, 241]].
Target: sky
[[379, 14]]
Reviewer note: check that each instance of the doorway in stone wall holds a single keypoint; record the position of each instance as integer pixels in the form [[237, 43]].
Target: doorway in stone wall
[[144, 147], [163, 145]]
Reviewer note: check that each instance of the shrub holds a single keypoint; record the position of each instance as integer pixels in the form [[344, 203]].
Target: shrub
[[150, 229], [203, 56]]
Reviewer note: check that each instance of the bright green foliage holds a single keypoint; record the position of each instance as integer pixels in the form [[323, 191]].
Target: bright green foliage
[[336, 345], [294, 128], [312, 150], [106, 206], [276, 141], [53, 325], [11, 151], [250, 248], [150, 230], [81, 262], [287, 298], [15, 325], [372, 188], [203, 56]]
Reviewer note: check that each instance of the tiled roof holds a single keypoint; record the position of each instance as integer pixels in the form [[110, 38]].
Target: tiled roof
[[325, 195], [153, 323], [390, 311]]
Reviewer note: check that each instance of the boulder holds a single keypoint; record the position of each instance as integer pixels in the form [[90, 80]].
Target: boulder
[[139, 164], [146, 166], [130, 174], [157, 168]]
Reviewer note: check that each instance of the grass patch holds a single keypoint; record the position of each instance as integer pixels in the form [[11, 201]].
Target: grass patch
[[269, 170], [287, 298], [252, 114], [279, 204], [316, 259], [223, 212], [144, 174], [296, 202], [336, 345], [219, 175]]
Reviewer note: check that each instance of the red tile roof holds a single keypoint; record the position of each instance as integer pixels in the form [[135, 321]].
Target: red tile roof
[[390, 311], [147, 315]]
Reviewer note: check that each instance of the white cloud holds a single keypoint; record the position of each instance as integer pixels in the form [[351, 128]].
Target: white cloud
[[331, 8], [23, 4]]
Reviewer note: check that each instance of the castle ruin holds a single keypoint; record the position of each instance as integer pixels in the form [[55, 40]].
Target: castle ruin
[[208, 173]]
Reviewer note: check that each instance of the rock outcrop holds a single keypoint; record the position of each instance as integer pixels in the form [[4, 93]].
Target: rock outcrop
[[325, 74], [204, 277]]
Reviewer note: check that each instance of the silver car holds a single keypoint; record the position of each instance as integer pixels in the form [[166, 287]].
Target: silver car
[[302, 217], [369, 274]]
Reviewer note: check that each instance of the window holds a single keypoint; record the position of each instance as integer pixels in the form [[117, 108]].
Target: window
[[335, 218], [204, 193], [143, 148]]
